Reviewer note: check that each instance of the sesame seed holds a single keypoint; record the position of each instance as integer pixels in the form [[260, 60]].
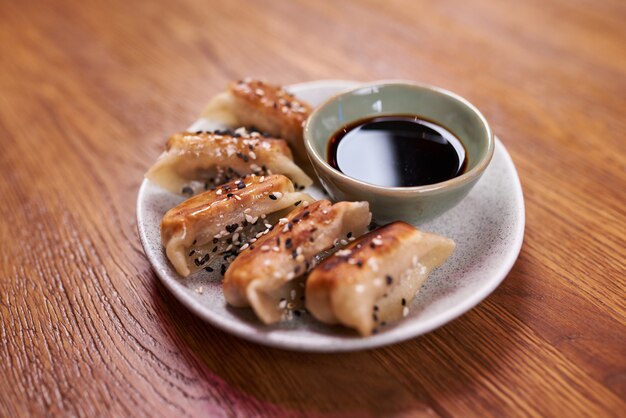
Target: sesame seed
[[288, 243], [218, 192], [389, 279], [278, 195], [273, 197], [223, 269], [283, 221], [265, 248], [305, 204], [187, 190], [199, 290], [244, 246], [282, 304], [405, 311], [241, 185], [403, 302], [349, 234], [300, 258], [297, 203], [229, 195], [209, 269]]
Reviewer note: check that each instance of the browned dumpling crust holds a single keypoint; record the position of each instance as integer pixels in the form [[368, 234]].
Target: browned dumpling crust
[[214, 158], [271, 109], [263, 276], [371, 281], [217, 215]]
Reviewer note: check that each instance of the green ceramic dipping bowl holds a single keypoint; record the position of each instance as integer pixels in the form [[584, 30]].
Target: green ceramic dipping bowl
[[412, 204]]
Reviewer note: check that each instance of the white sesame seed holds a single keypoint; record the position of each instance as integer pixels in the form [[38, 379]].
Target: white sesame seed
[[239, 229], [377, 241], [262, 179], [235, 236], [286, 228], [343, 242], [265, 248], [252, 155], [218, 192], [263, 216], [290, 276], [283, 221], [278, 195], [247, 210], [275, 248], [343, 253], [405, 311], [230, 247], [351, 239], [300, 258], [352, 261], [200, 290], [305, 204], [268, 226], [282, 304], [244, 246], [237, 197]]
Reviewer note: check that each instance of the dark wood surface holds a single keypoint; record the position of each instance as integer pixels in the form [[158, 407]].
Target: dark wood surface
[[90, 90]]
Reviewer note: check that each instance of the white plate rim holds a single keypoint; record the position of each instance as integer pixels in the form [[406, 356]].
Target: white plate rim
[[378, 340]]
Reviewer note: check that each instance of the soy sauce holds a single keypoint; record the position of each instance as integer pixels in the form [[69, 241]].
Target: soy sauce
[[397, 151]]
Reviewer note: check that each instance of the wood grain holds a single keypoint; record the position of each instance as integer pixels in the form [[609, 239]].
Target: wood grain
[[90, 90]]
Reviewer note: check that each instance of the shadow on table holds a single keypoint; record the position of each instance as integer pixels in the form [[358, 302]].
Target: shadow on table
[[445, 366]]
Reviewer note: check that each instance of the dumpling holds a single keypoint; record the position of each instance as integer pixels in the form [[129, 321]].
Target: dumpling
[[225, 219], [265, 277], [271, 109], [372, 280], [203, 160]]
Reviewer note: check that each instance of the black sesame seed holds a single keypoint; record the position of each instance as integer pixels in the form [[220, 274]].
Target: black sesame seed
[[229, 195], [244, 223], [375, 307], [403, 302], [226, 187], [372, 245], [214, 249], [297, 203], [295, 220], [246, 158], [375, 317], [389, 279], [215, 240], [241, 185], [294, 254], [232, 228], [278, 241], [192, 252], [288, 243], [209, 269], [290, 226], [272, 197], [239, 154], [311, 239], [359, 264], [349, 235], [250, 147], [297, 313], [223, 269], [251, 247], [305, 214], [201, 261], [194, 242]]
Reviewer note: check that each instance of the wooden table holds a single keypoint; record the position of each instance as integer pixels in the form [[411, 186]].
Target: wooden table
[[89, 91]]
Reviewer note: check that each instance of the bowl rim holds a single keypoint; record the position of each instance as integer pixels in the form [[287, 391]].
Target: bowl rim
[[464, 178]]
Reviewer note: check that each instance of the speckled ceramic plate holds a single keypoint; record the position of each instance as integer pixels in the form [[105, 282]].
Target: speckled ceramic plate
[[488, 227]]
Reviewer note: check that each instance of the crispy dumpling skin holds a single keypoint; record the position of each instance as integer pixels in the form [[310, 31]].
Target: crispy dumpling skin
[[214, 158], [372, 280], [216, 214], [271, 109], [264, 276]]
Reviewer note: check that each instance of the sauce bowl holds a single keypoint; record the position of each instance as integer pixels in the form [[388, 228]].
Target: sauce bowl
[[417, 204]]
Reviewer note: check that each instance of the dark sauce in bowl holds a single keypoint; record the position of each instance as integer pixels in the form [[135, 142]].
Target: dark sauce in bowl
[[397, 151]]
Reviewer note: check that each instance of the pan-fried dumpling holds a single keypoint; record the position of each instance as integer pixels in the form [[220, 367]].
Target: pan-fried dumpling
[[266, 276], [271, 109], [203, 160], [371, 281], [225, 219]]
